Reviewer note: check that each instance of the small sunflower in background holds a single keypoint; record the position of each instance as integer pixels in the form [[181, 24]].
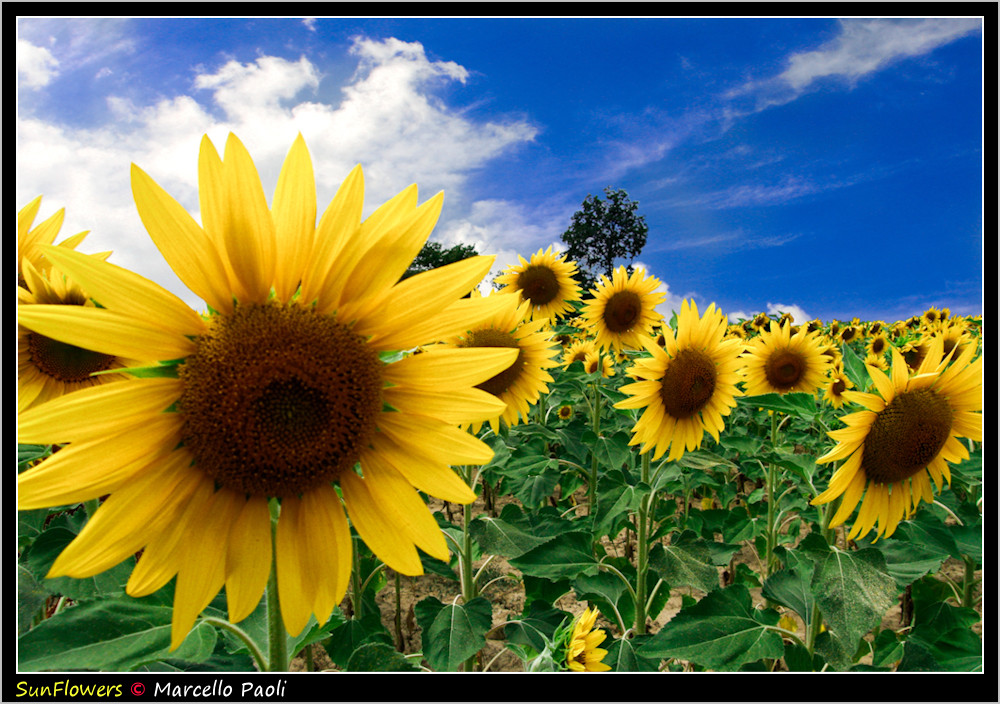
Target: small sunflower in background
[[577, 351], [597, 362], [685, 387], [546, 281], [904, 438], [583, 651], [565, 412], [622, 311], [778, 362], [520, 385], [838, 383], [48, 368]]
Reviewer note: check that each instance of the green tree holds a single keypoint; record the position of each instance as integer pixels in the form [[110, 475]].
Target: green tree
[[602, 232], [434, 255]]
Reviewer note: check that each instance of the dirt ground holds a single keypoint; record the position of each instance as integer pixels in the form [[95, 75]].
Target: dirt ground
[[507, 597]]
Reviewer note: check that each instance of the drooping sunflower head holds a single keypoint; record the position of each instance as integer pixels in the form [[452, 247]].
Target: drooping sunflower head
[[779, 362], [546, 281], [583, 651], [290, 396], [622, 311], [903, 439], [520, 385], [686, 387]]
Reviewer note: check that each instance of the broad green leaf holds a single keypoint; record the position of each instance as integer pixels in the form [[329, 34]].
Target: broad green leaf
[[722, 632], [853, 590], [854, 368], [566, 556], [907, 561], [379, 657], [623, 655], [686, 562], [31, 597], [452, 633], [791, 587], [109, 634], [497, 537], [536, 625], [353, 634], [46, 548]]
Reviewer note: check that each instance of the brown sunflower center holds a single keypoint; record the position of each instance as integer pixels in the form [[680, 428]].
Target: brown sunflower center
[[784, 369], [688, 383], [64, 362], [279, 399], [538, 284], [906, 436], [490, 337], [622, 311], [838, 387]]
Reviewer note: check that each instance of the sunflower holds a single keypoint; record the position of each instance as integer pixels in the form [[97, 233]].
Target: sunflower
[[836, 385], [522, 383], [622, 312], [565, 412], [904, 439], [597, 362], [48, 368], [577, 351], [288, 398], [546, 281], [687, 386], [31, 239], [779, 362], [584, 654]]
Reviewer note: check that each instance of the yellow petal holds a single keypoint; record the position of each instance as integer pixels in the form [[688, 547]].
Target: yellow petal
[[181, 242], [132, 516], [82, 471], [329, 554], [126, 292], [294, 215], [296, 591], [453, 405], [203, 571], [248, 560], [248, 230], [427, 474], [106, 331], [97, 410], [410, 514], [449, 367], [372, 524]]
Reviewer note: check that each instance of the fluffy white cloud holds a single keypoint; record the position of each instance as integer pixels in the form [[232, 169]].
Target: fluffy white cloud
[[387, 118], [36, 65], [799, 316]]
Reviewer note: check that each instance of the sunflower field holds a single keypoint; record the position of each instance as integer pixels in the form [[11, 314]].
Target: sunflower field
[[331, 468]]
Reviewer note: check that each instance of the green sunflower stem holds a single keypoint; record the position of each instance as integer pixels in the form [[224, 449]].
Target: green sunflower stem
[[596, 426], [771, 536], [642, 552], [277, 638]]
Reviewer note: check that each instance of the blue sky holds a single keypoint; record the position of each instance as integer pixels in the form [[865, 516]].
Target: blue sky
[[828, 167]]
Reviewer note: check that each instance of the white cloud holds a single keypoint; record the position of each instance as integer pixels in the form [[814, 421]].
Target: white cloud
[[388, 119], [799, 316], [36, 65], [862, 47]]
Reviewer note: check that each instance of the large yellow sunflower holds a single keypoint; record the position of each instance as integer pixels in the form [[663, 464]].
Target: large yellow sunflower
[[686, 386], [282, 399], [622, 310], [779, 362], [546, 281], [904, 439], [520, 385]]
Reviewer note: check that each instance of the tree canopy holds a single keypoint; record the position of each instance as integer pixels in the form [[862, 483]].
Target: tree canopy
[[602, 232], [434, 255]]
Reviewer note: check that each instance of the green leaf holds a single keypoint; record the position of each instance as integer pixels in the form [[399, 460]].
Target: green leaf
[[794, 404], [686, 562], [853, 590], [379, 657], [46, 548], [353, 634], [497, 537], [854, 368], [537, 625], [566, 556], [791, 587], [31, 597], [112, 635], [452, 633], [907, 561], [623, 655], [722, 632]]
